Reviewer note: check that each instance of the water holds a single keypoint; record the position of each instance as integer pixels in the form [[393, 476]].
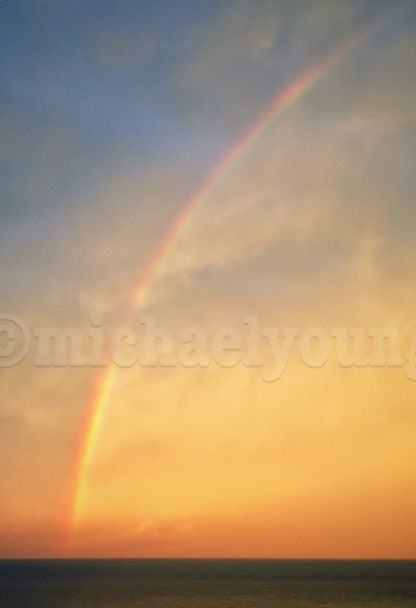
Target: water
[[206, 584]]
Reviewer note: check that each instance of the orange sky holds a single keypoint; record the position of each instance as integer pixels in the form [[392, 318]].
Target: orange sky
[[314, 227]]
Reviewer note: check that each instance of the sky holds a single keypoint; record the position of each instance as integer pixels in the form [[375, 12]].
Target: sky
[[113, 117]]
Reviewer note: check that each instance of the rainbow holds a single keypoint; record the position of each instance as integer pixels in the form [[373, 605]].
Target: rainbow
[[105, 384]]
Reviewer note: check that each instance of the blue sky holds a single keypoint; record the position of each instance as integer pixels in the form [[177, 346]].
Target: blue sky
[[97, 83]]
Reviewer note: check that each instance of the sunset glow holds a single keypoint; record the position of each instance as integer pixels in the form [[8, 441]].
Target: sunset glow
[[216, 207]]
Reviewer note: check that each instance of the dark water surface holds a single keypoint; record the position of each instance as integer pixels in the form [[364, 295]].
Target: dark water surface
[[206, 583]]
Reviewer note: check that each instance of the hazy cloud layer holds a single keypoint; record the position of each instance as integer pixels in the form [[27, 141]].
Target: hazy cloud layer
[[111, 118]]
